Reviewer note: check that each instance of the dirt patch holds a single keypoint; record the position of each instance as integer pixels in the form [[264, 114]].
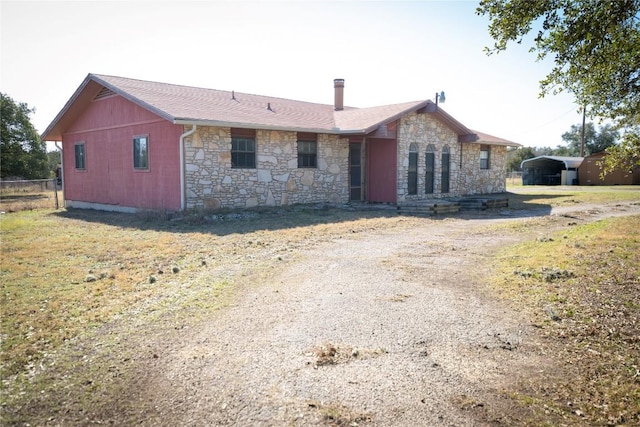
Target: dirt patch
[[332, 354]]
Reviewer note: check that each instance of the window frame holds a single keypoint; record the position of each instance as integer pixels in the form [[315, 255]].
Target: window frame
[[83, 158], [243, 149], [485, 162], [307, 145], [137, 164]]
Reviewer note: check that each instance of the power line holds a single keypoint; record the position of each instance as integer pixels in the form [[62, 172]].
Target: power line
[[548, 123]]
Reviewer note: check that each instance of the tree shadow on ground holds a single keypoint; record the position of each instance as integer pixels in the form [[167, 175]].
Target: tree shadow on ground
[[243, 221]]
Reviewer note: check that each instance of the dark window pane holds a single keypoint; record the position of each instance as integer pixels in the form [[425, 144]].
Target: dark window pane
[[413, 173], [243, 152], [430, 161], [140, 153], [445, 172], [307, 154], [79, 156], [484, 157]]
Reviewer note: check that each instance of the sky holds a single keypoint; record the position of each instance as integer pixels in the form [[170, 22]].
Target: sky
[[387, 51]]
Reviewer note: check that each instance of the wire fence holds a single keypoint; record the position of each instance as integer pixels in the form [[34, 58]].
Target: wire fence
[[514, 178], [23, 195]]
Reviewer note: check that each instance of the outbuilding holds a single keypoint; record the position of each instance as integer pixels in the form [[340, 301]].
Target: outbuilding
[[550, 170], [591, 173]]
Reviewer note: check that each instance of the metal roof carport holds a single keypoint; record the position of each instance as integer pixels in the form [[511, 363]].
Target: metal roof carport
[[547, 170]]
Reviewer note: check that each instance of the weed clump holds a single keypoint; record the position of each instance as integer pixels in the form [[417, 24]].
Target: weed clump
[[555, 274], [547, 274]]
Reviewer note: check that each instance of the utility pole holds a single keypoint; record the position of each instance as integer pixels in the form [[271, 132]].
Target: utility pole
[[584, 111]]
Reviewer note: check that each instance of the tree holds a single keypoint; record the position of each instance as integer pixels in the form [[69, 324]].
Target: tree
[[54, 161], [624, 156], [515, 157], [543, 151], [595, 45], [563, 151], [22, 153], [595, 141]]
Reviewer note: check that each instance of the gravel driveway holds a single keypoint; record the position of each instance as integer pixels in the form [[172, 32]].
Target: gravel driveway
[[385, 327], [375, 328]]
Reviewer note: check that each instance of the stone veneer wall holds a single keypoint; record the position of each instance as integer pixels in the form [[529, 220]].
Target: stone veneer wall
[[422, 130], [474, 180], [466, 177], [211, 183]]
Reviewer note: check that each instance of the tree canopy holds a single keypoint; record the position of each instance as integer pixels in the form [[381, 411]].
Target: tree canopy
[[626, 155], [22, 152], [595, 141], [595, 45], [515, 157]]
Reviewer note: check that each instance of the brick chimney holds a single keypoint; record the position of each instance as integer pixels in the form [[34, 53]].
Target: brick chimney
[[338, 86]]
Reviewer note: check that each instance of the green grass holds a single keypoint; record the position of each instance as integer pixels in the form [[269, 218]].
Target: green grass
[[531, 196], [590, 316]]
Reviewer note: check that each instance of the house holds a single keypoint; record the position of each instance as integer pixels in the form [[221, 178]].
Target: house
[[550, 170], [591, 170], [130, 144]]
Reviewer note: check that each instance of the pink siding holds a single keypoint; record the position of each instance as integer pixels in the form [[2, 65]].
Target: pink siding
[[107, 127]]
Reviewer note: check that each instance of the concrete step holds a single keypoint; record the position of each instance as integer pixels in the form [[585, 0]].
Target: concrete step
[[483, 204], [429, 208]]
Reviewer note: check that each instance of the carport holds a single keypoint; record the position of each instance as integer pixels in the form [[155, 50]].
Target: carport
[[550, 170]]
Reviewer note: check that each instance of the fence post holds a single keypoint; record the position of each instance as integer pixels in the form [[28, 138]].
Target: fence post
[[55, 190]]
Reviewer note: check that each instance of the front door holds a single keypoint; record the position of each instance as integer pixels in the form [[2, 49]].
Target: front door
[[382, 170]]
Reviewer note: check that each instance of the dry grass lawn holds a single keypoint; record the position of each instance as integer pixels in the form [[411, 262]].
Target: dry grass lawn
[[581, 288], [66, 275]]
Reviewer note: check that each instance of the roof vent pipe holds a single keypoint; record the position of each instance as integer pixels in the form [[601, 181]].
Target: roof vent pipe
[[338, 86]]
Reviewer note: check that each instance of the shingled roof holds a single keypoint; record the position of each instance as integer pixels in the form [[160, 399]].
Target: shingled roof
[[209, 107], [484, 138]]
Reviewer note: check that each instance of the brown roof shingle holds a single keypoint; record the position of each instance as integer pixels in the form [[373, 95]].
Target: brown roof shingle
[[485, 138], [193, 105]]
